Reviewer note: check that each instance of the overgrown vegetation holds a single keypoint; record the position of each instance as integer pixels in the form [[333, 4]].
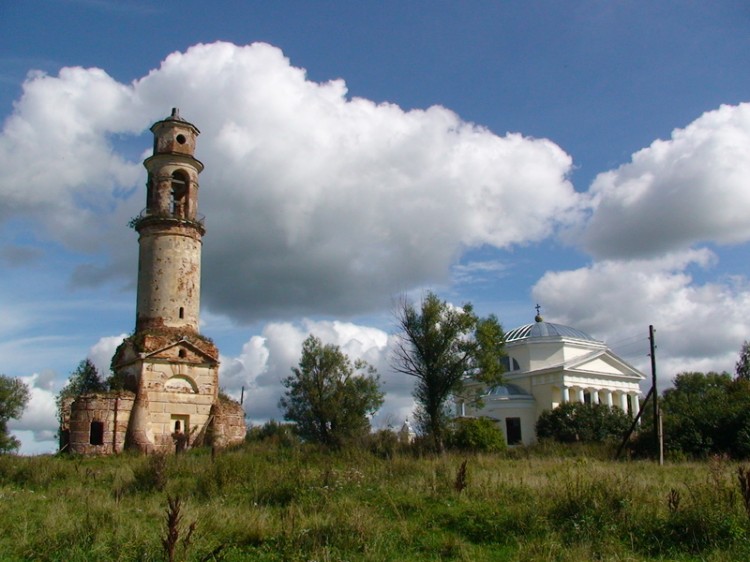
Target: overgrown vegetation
[[703, 414], [571, 422], [266, 501], [478, 435], [443, 348], [83, 380], [14, 395], [329, 397]]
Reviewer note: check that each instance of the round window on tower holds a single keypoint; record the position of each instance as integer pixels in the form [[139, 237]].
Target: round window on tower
[[181, 139]]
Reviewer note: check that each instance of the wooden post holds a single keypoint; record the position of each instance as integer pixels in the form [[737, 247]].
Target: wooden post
[[657, 416]]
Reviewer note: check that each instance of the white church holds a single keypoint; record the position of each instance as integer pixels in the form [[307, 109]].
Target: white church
[[547, 365]]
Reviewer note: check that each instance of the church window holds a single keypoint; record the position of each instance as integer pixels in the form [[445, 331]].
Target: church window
[[182, 353], [182, 313], [96, 433], [513, 430], [180, 139], [510, 364], [178, 202]]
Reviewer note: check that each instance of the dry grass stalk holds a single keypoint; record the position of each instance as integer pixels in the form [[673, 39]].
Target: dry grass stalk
[[743, 475], [172, 538], [461, 480], [673, 500]]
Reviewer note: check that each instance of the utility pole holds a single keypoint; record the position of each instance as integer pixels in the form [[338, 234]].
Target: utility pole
[[657, 414]]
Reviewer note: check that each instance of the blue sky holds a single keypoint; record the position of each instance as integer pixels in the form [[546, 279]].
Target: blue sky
[[589, 156]]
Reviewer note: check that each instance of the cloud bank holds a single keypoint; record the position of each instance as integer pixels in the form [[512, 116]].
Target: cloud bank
[[689, 189], [655, 226], [316, 203]]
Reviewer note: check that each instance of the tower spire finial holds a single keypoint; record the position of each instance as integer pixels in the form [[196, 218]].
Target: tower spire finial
[[538, 317]]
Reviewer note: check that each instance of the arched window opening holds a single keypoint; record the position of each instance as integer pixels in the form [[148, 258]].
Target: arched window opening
[[96, 433], [180, 182], [182, 353], [182, 313], [150, 199]]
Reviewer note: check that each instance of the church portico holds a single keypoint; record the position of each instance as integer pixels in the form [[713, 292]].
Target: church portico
[[557, 364]]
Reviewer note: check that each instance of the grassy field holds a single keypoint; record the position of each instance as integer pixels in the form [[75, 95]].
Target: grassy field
[[265, 502]]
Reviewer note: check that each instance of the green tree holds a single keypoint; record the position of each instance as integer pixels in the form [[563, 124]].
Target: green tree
[[476, 435], [444, 347], [83, 380], [571, 422], [707, 413], [328, 396], [742, 367], [14, 395]]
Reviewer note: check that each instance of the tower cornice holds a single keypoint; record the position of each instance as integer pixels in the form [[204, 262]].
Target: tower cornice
[[172, 158]]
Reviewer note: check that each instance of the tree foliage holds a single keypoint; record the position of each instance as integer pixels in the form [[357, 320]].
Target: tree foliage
[[476, 435], [83, 380], [742, 367], [707, 413], [443, 346], [14, 395], [328, 396], [571, 422]]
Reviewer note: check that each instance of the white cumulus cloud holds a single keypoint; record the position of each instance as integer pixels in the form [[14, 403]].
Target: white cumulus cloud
[[694, 187], [315, 202], [699, 326]]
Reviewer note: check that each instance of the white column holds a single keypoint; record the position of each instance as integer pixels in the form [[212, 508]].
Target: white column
[[565, 395], [624, 402], [609, 398], [581, 399], [634, 404], [594, 396]]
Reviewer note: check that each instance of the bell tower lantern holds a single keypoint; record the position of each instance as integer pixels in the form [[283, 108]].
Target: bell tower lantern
[[171, 231]]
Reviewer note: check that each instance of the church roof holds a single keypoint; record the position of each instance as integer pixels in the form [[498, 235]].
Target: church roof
[[542, 329]]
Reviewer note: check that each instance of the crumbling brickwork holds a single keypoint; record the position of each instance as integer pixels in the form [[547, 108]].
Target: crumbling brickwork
[[97, 424]]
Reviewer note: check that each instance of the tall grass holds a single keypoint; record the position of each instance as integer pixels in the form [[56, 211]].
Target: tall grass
[[271, 502]]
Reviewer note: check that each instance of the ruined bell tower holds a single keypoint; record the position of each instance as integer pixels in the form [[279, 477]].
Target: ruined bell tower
[[165, 389], [171, 369]]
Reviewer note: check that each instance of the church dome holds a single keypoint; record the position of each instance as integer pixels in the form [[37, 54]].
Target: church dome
[[508, 390], [542, 329]]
